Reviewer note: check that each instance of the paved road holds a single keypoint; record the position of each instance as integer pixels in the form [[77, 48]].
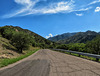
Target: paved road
[[50, 63]]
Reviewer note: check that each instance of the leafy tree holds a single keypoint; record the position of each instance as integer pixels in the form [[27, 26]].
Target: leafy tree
[[94, 45], [7, 32], [21, 41]]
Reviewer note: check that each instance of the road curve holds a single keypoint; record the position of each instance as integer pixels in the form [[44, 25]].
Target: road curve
[[50, 63]]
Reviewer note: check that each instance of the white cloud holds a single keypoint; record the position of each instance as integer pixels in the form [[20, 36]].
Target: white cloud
[[50, 35], [23, 1], [27, 6], [58, 7], [96, 1], [84, 9], [79, 14], [97, 9]]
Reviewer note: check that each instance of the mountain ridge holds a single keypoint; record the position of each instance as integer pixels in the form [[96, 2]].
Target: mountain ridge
[[79, 37], [62, 36]]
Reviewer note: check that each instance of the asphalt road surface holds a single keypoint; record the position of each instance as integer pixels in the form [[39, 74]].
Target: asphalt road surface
[[50, 63]]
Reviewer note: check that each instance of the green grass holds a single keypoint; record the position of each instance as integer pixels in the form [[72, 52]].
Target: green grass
[[82, 56], [5, 62]]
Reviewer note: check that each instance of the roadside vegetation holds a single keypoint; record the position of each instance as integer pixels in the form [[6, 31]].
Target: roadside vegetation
[[5, 62], [92, 47], [82, 56]]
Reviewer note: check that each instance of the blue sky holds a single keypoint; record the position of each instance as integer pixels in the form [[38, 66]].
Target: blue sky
[[51, 17]]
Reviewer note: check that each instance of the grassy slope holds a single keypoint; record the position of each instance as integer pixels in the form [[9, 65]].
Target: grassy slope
[[5, 62], [8, 55], [6, 49]]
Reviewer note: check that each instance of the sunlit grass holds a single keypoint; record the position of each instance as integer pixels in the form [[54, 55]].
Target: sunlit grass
[[5, 62]]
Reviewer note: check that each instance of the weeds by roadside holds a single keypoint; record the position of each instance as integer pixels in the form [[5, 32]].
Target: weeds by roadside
[[81, 56], [5, 62]]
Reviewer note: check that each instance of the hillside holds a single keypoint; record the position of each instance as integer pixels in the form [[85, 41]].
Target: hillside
[[61, 37], [6, 49], [81, 37], [21, 39], [38, 40]]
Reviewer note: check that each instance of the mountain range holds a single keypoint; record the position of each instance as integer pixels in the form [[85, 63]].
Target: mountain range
[[79, 37]]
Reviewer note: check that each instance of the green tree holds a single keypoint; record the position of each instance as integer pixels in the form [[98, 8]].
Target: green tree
[[94, 45], [7, 32], [21, 41]]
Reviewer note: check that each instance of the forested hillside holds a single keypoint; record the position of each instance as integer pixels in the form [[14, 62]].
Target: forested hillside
[[22, 38]]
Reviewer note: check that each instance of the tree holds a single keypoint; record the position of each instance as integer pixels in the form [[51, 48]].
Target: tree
[[21, 41], [62, 46], [94, 45], [76, 46], [7, 32]]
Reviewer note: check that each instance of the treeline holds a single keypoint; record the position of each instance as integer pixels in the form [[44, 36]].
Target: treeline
[[21, 39], [88, 47]]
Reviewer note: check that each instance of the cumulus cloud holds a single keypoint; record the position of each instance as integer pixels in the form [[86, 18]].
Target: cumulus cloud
[[28, 8], [50, 35], [79, 14], [97, 9]]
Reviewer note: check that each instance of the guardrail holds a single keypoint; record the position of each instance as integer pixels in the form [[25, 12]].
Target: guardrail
[[80, 53]]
